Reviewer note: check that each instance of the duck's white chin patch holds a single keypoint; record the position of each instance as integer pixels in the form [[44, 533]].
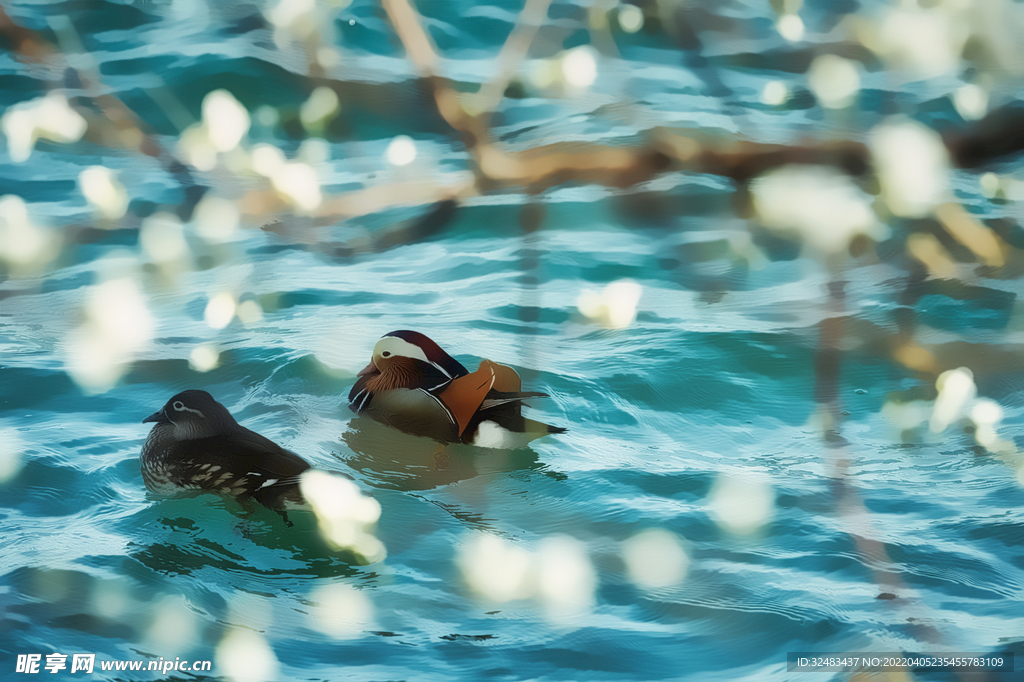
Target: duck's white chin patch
[[492, 435]]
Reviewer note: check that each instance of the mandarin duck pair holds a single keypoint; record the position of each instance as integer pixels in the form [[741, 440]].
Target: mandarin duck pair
[[410, 384]]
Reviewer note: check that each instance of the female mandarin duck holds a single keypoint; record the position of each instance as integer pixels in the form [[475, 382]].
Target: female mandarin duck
[[195, 443], [414, 386]]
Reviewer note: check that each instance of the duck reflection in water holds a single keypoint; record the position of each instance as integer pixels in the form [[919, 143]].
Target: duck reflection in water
[[391, 459]]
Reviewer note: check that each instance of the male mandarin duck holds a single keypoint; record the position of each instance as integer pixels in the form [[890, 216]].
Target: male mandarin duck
[[416, 387]]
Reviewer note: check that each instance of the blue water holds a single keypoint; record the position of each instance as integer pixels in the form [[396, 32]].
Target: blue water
[[712, 385]]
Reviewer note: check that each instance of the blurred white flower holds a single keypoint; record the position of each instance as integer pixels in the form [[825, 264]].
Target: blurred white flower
[[494, 568], [655, 559], [558, 575], [225, 122], [775, 93], [175, 627], [195, 147], [615, 306], [834, 81], [204, 357], [11, 447], [162, 239], [321, 106], [630, 17], [907, 415], [741, 506], [116, 328], [566, 579], [957, 399], [926, 42], [308, 21], [110, 600], [267, 159], [971, 102], [956, 394], [25, 246], [991, 185], [298, 184], [791, 27], [245, 656], [103, 191], [297, 17], [217, 219], [912, 165], [401, 151], [996, 24], [225, 119], [267, 116], [250, 312], [986, 415], [579, 67], [49, 117], [220, 310], [346, 516], [340, 611], [819, 204], [314, 151]]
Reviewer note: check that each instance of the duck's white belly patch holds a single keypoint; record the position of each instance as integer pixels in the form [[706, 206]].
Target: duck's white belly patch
[[492, 435]]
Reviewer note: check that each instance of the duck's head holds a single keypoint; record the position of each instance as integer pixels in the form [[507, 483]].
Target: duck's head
[[194, 414], [401, 351]]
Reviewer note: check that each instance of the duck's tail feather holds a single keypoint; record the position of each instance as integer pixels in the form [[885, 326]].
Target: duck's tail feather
[[496, 398]]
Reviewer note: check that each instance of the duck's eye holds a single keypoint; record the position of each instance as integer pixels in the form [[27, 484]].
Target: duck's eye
[[386, 354], [179, 406]]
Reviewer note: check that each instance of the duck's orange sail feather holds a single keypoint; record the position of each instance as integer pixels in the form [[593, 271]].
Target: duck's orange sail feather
[[465, 394]]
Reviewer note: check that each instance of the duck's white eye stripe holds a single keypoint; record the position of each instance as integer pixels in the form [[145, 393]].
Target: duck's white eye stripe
[[180, 407], [396, 346]]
